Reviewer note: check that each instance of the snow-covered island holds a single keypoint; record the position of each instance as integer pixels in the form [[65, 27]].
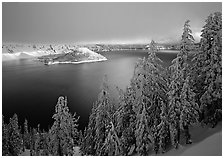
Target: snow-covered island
[[77, 56], [51, 54]]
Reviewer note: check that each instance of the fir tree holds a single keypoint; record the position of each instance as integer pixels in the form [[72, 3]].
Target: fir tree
[[125, 118], [144, 138], [181, 97], [150, 85], [32, 141], [189, 113], [61, 132], [37, 143], [73, 126], [80, 138], [15, 140], [103, 112], [143, 132], [112, 144], [207, 70], [5, 138], [26, 135], [163, 129], [45, 139], [84, 144], [88, 146]]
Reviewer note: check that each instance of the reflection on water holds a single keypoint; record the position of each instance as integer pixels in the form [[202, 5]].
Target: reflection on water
[[31, 89]]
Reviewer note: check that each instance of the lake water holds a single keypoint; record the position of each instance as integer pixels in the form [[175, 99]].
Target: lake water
[[31, 89]]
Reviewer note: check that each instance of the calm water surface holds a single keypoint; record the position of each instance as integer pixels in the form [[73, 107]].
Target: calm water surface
[[31, 89]]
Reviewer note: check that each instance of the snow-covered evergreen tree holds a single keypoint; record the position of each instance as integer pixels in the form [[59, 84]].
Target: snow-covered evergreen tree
[[37, 143], [26, 135], [80, 138], [181, 97], [88, 144], [5, 138], [150, 86], [84, 145], [125, 118], [143, 134], [112, 145], [62, 131], [32, 141], [15, 139], [45, 144], [163, 128], [103, 112], [207, 70]]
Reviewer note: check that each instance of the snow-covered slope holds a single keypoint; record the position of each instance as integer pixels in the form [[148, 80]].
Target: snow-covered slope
[[211, 146], [90, 54], [206, 142]]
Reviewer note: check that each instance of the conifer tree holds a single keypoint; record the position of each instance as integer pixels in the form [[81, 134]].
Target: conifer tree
[[150, 85], [5, 138], [163, 128], [61, 134], [88, 146], [32, 137], [143, 132], [144, 138], [45, 144], [73, 126], [125, 118], [84, 145], [80, 138], [112, 144], [181, 97], [189, 114], [37, 142], [15, 140], [26, 135], [103, 110], [207, 70]]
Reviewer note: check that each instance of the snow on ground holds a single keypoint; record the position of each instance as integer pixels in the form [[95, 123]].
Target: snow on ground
[[25, 153], [206, 142], [92, 54], [77, 151], [211, 146]]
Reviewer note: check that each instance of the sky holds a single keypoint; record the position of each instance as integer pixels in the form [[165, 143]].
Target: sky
[[98, 22]]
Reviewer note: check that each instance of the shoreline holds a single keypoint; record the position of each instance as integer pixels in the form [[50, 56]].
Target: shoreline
[[74, 62]]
